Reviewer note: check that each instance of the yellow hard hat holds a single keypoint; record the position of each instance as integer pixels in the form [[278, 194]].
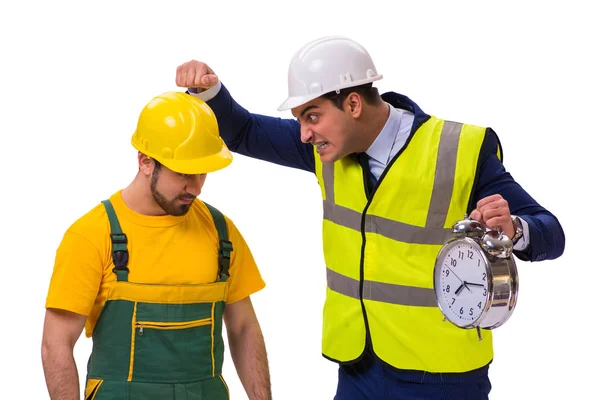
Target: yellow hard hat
[[181, 132]]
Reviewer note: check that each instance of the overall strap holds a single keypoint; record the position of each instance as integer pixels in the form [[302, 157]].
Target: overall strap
[[119, 243], [225, 246]]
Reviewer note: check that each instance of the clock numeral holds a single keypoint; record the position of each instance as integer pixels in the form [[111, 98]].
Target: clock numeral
[[484, 275], [479, 305], [478, 262], [471, 311], [453, 262], [470, 254], [485, 292], [453, 300], [447, 271], [461, 310], [461, 255], [448, 288]]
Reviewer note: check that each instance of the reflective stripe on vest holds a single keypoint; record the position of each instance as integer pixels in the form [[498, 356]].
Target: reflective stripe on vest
[[380, 252]]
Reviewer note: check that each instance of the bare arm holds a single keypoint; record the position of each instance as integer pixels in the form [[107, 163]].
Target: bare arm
[[61, 331], [248, 349]]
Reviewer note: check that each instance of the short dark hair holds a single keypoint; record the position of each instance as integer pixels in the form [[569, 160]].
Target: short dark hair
[[369, 93]]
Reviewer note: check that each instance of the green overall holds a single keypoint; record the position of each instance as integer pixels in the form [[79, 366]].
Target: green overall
[[155, 341]]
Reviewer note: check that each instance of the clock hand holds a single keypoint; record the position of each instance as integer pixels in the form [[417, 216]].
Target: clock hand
[[454, 273], [474, 284], [462, 283]]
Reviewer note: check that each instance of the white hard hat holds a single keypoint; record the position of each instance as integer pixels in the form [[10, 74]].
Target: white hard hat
[[324, 65]]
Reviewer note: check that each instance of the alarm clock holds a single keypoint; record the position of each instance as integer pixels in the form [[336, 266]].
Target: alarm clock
[[475, 277]]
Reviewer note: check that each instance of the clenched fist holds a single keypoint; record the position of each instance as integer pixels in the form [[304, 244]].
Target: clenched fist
[[493, 211], [195, 74]]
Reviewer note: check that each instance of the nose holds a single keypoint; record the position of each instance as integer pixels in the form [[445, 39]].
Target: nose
[[194, 184], [306, 134]]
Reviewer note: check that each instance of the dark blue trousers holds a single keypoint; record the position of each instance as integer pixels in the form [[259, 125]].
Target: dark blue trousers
[[370, 379]]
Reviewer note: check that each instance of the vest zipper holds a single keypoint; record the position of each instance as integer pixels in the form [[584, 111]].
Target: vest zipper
[[363, 218], [368, 345]]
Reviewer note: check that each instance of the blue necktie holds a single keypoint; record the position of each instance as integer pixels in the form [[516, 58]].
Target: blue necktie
[[363, 160]]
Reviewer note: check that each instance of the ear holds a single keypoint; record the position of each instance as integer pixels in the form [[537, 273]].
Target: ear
[[354, 104], [145, 164]]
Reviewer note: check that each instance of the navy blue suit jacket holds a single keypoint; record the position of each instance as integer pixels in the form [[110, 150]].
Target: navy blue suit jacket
[[277, 140]]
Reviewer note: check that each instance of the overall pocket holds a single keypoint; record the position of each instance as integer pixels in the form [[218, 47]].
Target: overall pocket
[[173, 343], [91, 388]]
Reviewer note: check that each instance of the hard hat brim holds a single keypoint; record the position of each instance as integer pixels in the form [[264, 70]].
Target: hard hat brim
[[196, 166], [295, 101]]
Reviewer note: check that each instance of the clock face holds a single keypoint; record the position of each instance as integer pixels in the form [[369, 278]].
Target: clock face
[[462, 282]]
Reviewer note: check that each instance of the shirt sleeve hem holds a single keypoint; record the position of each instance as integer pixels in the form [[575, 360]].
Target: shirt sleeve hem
[[242, 295], [67, 307]]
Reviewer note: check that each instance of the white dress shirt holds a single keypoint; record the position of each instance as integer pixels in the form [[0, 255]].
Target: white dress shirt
[[390, 140]]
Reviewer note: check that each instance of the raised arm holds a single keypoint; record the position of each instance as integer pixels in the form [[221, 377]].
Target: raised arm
[[258, 136]]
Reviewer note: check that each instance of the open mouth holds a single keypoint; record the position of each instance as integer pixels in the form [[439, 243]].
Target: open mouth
[[321, 146]]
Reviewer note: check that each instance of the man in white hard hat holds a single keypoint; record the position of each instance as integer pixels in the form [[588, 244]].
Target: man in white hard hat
[[393, 180]]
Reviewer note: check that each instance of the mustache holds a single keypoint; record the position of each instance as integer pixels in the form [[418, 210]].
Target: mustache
[[187, 197]]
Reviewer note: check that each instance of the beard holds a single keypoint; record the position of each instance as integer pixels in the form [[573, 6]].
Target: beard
[[171, 207]]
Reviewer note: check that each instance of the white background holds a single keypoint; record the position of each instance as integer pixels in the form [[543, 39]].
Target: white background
[[75, 75]]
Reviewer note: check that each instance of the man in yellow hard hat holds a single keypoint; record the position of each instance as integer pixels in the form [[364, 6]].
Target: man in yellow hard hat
[[393, 180], [152, 272]]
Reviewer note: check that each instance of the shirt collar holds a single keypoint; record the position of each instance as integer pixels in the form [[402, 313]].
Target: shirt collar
[[381, 147]]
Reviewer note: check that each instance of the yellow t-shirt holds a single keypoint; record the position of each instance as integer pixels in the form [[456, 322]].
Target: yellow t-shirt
[[162, 250]]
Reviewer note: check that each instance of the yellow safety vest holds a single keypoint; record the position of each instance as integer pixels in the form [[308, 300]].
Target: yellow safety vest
[[380, 252]]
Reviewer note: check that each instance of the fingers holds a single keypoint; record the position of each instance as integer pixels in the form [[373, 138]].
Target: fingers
[[196, 79], [179, 81], [490, 199], [475, 214], [496, 217], [209, 80], [493, 211], [195, 74], [189, 78]]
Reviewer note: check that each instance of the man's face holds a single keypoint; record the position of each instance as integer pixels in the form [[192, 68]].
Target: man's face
[[175, 192], [328, 128]]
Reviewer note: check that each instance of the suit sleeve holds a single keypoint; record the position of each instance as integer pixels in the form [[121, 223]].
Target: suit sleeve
[[266, 138], [547, 238]]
